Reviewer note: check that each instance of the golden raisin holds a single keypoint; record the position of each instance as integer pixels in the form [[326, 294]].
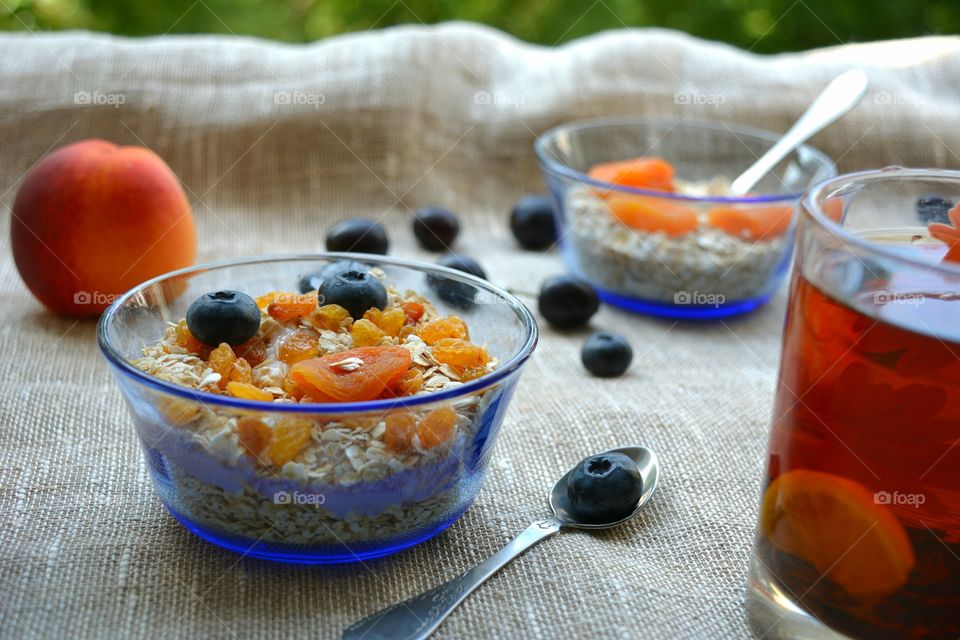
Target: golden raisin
[[241, 371], [472, 373], [437, 427], [254, 350], [407, 384], [290, 306], [254, 435], [186, 340], [413, 311], [459, 354], [365, 333], [298, 346], [390, 321], [401, 427], [221, 361], [248, 392], [290, 386], [289, 438], [449, 327], [330, 317], [407, 330]]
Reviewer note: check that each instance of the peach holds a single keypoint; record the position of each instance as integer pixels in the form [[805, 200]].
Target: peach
[[93, 219]]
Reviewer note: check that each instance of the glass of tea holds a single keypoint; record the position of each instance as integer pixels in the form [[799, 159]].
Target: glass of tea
[[859, 528]]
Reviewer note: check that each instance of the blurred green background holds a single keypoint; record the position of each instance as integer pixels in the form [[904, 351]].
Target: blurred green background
[[763, 26]]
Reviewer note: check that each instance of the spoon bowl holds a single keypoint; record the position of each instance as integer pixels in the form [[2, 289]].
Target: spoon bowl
[[647, 465]]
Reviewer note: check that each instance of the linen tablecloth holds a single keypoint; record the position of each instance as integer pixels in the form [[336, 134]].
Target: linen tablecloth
[[273, 144]]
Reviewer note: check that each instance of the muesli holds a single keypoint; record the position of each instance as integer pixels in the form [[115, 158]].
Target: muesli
[[658, 249], [313, 477]]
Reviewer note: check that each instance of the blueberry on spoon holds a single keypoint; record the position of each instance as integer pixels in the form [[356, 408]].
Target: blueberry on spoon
[[604, 488]]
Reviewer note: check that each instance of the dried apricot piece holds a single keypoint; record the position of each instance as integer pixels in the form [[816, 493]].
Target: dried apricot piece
[[288, 439], [401, 427], [365, 333], [330, 317], [290, 306], [241, 371], [459, 354], [751, 223], [437, 427], [389, 321], [298, 346], [248, 391], [413, 310], [449, 327], [648, 172], [351, 376], [254, 435], [221, 361], [290, 387], [653, 214]]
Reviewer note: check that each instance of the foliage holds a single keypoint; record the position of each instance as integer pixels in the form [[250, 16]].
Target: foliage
[[762, 26]]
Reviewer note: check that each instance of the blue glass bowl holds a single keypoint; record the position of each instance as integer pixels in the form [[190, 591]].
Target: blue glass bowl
[[339, 501], [706, 271]]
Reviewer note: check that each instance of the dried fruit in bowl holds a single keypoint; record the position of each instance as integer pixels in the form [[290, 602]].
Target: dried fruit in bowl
[[653, 214], [356, 375], [751, 222], [648, 172]]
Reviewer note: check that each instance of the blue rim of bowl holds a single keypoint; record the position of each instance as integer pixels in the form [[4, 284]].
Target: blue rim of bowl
[[550, 165], [832, 187], [483, 382]]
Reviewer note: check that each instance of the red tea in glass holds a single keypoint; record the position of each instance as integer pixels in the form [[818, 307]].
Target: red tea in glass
[[859, 532]]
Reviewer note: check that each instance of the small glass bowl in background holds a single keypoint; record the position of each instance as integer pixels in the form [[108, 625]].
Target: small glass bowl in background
[[734, 252], [346, 497]]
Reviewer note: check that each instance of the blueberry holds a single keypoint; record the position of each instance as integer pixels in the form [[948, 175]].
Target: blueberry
[[356, 290], [458, 294], [606, 355], [223, 316], [604, 488], [532, 222], [312, 281], [567, 302], [435, 228], [359, 235], [933, 208]]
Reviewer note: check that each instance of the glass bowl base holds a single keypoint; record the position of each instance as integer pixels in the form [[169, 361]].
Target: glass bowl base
[[313, 554], [682, 311]]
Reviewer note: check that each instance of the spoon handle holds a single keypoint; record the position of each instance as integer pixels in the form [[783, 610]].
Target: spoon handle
[[419, 616], [842, 94]]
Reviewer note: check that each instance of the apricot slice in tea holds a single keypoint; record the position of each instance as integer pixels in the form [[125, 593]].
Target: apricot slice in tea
[[288, 438], [400, 429], [351, 376], [751, 223], [449, 327], [460, 354], [652, 215], [248, 391], [837, 525], [254, 435], [437, 427], [642, 173], [950, 235], [290, 306]]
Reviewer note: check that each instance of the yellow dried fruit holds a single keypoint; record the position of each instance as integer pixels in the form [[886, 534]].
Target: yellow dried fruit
[[248, 392], [330, 317], [241, 371], [390, 321], [365, 333], [437, 427], [400, 429], [449, 327], [298, 346], [288, 439], [221, 361], [254, 435]]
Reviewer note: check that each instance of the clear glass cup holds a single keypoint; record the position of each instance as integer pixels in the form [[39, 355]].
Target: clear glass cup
[[707, 254], [346, 496], [859, 531]]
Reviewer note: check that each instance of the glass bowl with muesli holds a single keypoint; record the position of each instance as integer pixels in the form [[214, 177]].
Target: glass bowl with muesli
[[321, 408], [645, 214]]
